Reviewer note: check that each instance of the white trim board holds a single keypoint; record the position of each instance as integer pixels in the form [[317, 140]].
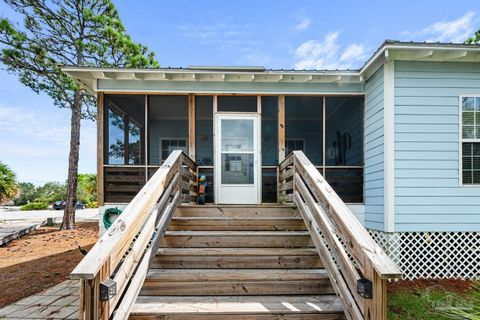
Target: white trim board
[[389, 145]]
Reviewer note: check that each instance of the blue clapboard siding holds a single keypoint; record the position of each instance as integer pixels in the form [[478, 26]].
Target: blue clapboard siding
[[374, 152], [428, 196]]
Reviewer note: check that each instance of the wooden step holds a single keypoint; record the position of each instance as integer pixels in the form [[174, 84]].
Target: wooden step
[[236, 282], [236, 239], [238, 307], [237, 223], [232, 258], [237, 211]]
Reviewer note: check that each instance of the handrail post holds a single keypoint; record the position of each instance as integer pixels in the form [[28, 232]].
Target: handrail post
[[376, 307]]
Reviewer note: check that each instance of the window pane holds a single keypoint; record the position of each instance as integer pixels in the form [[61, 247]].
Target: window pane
[[237, 135], [304, 124], [167, 126], [237, 103], [467, 132], [204, 130], [124, 129], [468, 118], [477, 104], [237, 168], [467, 177], [269, 185], [476, 176], [467, 104], [343, 128], [471, 163], [269, 131]]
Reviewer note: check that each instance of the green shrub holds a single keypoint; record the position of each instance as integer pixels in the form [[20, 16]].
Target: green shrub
[[92, 204], [35, 206]]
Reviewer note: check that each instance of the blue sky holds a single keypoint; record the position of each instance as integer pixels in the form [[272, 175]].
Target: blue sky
[[34, 134]]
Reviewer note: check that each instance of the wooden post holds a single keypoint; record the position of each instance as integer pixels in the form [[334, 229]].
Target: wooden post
[[375, 308], [281, 128], [191, 126], [126, 139], [100, 144]]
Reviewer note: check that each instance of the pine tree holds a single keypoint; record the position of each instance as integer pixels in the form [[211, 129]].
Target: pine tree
[[67, 32]]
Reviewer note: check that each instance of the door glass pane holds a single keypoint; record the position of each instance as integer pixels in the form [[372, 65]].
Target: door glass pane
[[237, 168], [237, 135]]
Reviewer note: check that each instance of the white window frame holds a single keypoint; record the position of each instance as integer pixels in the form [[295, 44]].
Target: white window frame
[[463, 140]]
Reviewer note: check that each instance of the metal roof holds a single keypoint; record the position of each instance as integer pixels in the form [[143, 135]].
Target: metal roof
[[389, 50]]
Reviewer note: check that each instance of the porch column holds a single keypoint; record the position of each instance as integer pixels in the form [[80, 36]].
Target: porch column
[[281, 128], [191, 126], [100, 130]]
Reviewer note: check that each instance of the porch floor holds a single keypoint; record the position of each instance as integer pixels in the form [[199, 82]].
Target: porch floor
[[58, 302]]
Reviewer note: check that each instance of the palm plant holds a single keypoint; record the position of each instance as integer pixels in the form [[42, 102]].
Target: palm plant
[[8, 184]]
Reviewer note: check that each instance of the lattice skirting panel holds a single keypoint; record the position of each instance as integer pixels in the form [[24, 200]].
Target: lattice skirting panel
[[433, 255]]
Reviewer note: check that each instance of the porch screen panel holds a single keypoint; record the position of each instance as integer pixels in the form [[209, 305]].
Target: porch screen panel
[[204, 130], [237, 104], [269, 185], [167, 127], [343, 131], [124, 129], [304, 126], [269, 131]]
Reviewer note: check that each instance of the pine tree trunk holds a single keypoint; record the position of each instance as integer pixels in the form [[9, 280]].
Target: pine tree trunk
[[68, 222]]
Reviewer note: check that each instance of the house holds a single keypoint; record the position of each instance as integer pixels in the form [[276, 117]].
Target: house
[[398, 140]]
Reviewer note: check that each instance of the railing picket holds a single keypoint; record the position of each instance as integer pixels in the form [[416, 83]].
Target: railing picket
[[124, 250], [336, 249], [339, 238], [341, 288]]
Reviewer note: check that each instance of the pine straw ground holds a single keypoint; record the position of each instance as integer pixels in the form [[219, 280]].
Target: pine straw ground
[[41, 259]]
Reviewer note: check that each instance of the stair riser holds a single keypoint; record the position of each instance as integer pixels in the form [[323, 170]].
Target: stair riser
[[282, 316], [250, 262], [238, 225], [235, 212], [228, 288], [236, 242]]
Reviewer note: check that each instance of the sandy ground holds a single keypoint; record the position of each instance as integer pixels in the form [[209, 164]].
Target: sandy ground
[[42, 259]]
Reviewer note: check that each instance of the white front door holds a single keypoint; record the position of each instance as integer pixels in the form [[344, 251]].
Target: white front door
[[237, 159]]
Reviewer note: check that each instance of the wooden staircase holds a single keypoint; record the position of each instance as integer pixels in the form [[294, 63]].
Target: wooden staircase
[[236, 262], [164, 260]]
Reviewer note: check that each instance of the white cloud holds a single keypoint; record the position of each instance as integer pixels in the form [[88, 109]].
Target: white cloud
[[457, 30], [354, 52], [302, 25], [327, 54]]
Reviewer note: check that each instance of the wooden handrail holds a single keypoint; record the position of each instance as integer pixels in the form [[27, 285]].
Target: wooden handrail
[[350, 255], [123, 252]]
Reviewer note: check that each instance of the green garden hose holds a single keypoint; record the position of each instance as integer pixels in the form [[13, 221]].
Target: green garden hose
[[110, 215]]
